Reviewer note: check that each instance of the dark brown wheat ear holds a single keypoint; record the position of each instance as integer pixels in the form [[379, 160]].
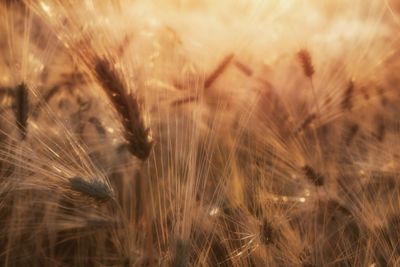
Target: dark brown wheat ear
[[347, 101], [305, 59], [95, 189], [21, 109], [221, 67], [127, 107], [306, 62]]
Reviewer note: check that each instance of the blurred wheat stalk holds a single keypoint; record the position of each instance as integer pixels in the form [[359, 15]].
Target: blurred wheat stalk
[[199, 133]]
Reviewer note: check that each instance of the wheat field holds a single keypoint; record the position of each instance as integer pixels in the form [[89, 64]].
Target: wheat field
[[199, 133]]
